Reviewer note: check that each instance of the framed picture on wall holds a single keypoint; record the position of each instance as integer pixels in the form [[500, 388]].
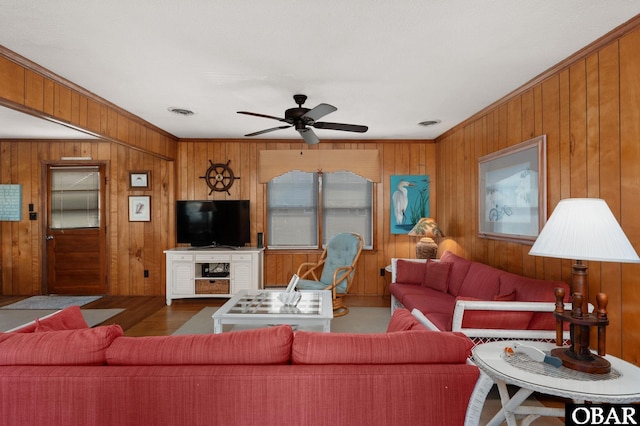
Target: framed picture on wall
[[512, 193], [140, 180], [139, 208], [409, 201]]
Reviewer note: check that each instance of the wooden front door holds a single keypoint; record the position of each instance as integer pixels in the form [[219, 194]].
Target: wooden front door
[[76, 232]]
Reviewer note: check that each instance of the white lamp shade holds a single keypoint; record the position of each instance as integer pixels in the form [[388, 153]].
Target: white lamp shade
[[584, 229]]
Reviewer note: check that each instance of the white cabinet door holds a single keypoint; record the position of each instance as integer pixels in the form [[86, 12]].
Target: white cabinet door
[[182, 279], [241, 276]]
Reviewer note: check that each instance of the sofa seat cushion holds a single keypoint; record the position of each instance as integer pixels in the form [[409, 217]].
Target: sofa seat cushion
[[270, 345], [432, 302], [402, 320], [66, 347], [443, 321], [482, 282], [402, 347], [424, 299], [66, 319]]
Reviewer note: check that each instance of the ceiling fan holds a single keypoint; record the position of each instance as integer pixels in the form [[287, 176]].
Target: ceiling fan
[[303, 118]]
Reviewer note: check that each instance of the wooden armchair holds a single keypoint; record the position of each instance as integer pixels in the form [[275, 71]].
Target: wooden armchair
[[334, 270]]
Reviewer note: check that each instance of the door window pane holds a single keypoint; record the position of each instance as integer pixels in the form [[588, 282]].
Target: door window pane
[[75, 197]]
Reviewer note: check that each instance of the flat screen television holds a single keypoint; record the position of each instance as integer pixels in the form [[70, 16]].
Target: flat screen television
[[213, 222]]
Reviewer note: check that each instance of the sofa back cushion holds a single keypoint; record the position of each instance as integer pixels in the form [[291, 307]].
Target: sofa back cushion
[[410, 272], [70, 318], [66, 347], [402, 347], [534, 290], [457, 273], [482, 282], [531, 289], [270, 345], [403, 320], [437, 275]]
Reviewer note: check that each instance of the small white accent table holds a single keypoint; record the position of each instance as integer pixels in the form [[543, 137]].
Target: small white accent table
[[250, 307], [620, 386]]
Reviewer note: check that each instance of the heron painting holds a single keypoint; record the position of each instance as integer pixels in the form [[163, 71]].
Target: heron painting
[[409, 201]]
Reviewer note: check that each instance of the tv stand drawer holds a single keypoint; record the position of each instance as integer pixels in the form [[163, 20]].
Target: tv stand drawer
[[213, 258]]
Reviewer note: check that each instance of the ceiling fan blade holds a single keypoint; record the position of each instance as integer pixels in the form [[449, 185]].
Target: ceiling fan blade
[[319, 111], [261, 115], [340, 126], [267, 130], [309, 136]]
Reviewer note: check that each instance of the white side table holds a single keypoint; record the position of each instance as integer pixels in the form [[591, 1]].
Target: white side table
[[620, 386]]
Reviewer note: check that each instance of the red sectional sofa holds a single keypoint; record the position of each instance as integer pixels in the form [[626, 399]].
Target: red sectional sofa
[[485, 303], [59, 372]]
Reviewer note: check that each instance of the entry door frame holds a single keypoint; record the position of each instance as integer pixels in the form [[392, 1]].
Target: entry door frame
[[44, 219]]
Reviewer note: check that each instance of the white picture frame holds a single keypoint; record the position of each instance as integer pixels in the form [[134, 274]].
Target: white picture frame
[[139, 208]]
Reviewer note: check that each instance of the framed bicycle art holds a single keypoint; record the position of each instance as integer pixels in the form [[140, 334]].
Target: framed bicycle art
[[512, 197]]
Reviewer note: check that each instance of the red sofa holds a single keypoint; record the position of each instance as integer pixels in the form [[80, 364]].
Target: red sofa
[[484, 303], [51, 374]]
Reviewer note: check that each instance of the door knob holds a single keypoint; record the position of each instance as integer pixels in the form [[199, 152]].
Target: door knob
[[49, 237]]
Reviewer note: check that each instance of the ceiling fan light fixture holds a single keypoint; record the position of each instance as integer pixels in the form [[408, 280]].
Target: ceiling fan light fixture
[[429, 122], [180, 111]]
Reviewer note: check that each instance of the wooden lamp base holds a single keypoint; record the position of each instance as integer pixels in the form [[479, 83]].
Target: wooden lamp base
[[578, 356], [594, 364]]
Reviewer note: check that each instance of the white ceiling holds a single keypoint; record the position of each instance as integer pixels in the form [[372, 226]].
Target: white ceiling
[[385, 64]]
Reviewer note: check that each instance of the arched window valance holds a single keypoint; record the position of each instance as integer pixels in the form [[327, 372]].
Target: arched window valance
[[363, 162]]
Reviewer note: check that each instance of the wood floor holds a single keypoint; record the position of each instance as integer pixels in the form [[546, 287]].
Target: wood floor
[[150, 316]]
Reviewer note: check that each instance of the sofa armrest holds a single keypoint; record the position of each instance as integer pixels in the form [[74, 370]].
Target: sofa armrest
[[463, 306]]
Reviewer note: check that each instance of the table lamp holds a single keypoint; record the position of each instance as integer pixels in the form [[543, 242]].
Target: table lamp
[[583, 229], [428, 229]]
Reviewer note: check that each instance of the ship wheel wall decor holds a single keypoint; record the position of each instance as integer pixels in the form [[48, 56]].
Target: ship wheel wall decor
[[219, 177]]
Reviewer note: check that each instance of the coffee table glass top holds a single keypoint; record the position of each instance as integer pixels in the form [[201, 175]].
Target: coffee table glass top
[[266, 302]]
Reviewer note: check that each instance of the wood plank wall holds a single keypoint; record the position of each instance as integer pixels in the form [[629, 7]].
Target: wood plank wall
[[398, 157], [590, 111], [136, 246], [132, 246]]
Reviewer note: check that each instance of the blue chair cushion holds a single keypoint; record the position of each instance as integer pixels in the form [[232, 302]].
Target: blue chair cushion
[[341, 251]]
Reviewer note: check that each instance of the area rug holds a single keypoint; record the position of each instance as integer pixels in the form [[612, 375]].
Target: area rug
[[51, 302], [12, 318], [358, 320]]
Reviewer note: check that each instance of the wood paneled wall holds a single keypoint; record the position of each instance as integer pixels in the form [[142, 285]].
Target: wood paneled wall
[[590, 112], [136, 246], [132, 246], [398, 157]]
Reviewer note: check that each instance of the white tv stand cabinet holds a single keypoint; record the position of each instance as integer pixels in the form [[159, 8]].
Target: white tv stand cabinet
[[212, 272]]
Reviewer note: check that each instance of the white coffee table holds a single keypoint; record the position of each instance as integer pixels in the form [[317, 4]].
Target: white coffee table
[[262, 307], [621, 386]]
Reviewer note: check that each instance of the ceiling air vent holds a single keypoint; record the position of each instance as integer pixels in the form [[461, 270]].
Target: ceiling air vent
[[180, 111]]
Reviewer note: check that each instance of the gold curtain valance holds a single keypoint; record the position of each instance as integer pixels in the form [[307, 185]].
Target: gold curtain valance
[[363, 162]]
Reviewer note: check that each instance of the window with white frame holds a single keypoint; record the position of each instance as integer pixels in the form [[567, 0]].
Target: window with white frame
[[299, 201]]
